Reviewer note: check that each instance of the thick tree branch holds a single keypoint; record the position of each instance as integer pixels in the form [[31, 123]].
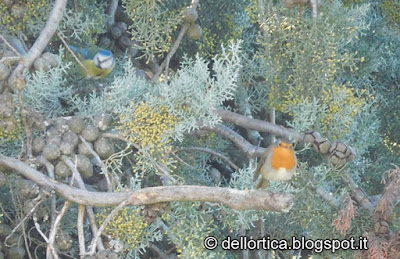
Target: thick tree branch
[[358, 194], [259, 125], [111, 10], [236, 199], [246, 147], [325, 196]]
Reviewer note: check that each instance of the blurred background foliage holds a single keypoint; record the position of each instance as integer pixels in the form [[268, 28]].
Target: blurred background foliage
[[337, 74]]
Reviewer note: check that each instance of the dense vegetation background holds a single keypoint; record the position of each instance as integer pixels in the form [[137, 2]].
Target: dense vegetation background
[[196, 88]]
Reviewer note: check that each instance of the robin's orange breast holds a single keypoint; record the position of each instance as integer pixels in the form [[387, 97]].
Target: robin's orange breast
[[283, 158]]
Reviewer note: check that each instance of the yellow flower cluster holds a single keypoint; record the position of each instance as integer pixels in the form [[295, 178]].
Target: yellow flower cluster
[[305, 67], [223, 30], [10, 128], [190, 239], [149, 126], [17, 16], [391, 145], [153, 25], [391, 10], [126, 226], [340, 102]]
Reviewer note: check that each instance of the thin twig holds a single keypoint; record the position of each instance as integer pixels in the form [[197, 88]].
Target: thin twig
[[40, 200], [160, 253], [244, 253], [81, 236], [72, 52], [174, 47], [184, 162], [9, 45], [158, 166], [51, 252], [28, 132], [37, 226], [105, 223], [50, 171], [89, 209], [327, 197], [9, 59], [99, 161], [161, 224], [214, 153], [272, 120]]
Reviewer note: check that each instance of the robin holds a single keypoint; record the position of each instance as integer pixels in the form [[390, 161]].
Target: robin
[[277, 164]]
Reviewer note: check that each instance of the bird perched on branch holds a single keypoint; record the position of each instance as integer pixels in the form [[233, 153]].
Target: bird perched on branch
[[277, 164], [97, 62]]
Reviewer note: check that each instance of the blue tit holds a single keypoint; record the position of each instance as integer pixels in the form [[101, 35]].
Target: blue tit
[[98, 62]]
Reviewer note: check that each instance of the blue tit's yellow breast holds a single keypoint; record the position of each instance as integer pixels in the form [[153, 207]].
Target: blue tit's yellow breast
[[93, 71]]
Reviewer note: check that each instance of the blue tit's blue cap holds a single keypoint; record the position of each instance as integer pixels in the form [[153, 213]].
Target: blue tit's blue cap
[[106, 53]]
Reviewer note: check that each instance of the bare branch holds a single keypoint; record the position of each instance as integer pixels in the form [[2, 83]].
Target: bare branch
[[50, 171], [10, 46], [174, 47], [81, 236], [38, 201], [53, 232], [89, 209], [156, 249], [40, 43], [240, 142], [37, 226], [111, 9], [99, 161], [28, 132], [236, 199], [105, 223], [259, 125], [358, 194]]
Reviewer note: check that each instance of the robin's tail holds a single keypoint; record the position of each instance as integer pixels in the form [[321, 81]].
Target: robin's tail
[[262, 184]]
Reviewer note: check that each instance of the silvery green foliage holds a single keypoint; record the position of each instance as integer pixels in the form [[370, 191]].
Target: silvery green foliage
[[365, 129], [364, 135], [152, 234], [235, 220], [84, 24], [44, 89], [194, 92], [115, 99], [252, 92], [10, 148], [189, 224], [79, 23], [307, 113], [153, 23]]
